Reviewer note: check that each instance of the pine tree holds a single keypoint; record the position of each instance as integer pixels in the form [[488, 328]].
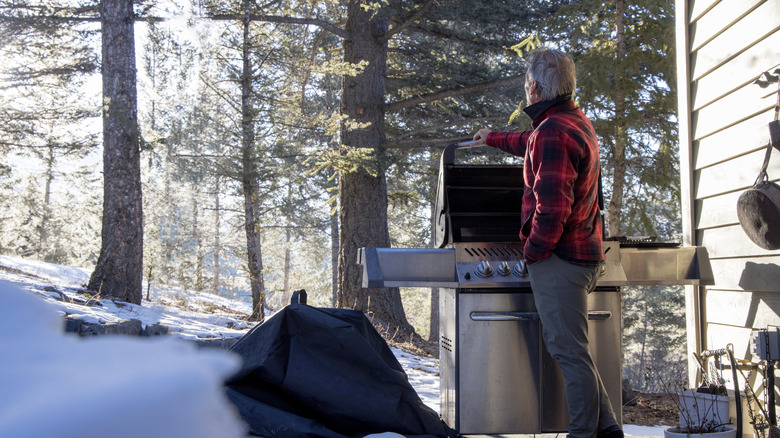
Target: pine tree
[[118, 272], [48, 60], [625, 60], [653, 336], [453, 72], [390, 29]]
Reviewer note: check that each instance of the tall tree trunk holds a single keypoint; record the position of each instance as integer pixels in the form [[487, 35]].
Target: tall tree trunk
[[165, 239], [334, 252], [198, 245], [217, 243], [43, 244], [149, 278], [363, 196], [249, 182], [619, 157], [287, 252], [119, 268], [334, 256], [645, 318]]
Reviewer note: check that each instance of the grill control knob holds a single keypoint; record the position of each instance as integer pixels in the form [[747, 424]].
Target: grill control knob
[[520, 269], [503, 269], [483, 269]]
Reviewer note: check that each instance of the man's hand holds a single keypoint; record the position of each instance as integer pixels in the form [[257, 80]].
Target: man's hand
[[480, 138]]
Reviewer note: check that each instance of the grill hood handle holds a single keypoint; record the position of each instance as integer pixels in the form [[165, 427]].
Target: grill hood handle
[[448, 154], [469, 144]]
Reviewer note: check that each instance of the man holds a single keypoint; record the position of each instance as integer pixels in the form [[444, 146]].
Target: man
[[561, 230]]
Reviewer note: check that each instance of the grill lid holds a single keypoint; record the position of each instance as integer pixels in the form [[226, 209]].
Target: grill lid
[[477, 203]]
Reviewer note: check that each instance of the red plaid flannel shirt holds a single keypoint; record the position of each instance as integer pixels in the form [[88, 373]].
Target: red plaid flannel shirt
[[560, 211]]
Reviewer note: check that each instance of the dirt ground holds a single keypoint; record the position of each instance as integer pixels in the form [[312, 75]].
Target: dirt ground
[[651, 410]]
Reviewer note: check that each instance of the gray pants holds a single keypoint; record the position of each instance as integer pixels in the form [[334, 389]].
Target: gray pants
[[560, 292]]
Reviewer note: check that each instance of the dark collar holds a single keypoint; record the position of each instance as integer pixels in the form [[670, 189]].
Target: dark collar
[[536, 110]]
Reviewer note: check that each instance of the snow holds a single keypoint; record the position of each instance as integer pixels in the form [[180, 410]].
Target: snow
[[641, 431], [57, 384]]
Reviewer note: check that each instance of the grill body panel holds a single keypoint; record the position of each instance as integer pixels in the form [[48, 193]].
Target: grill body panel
[[496, 376]]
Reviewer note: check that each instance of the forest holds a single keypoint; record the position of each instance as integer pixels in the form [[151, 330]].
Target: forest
[[248, 149]]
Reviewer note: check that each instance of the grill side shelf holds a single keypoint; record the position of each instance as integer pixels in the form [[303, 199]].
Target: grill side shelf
[[457, 267], [402, 267], [372, 273]]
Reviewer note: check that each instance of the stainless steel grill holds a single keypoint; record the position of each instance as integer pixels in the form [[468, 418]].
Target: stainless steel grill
[[496, 376]]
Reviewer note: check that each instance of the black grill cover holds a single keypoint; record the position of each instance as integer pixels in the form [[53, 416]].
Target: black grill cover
[[327, 373]]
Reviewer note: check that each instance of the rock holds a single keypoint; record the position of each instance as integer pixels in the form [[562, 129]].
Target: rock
[[155, 330], [131, 327], [134, 327], [223, 343], [72, 325]]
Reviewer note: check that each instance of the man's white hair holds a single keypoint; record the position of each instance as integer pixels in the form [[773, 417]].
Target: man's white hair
[[553, 72]]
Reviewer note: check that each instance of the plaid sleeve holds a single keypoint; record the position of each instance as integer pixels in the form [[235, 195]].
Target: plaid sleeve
[[514, 143]]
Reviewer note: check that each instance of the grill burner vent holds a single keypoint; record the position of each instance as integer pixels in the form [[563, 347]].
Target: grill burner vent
[[471, 252], [446, 343], [502, 253]]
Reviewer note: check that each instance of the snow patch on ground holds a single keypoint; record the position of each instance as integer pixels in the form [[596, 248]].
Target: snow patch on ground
[[59, 385], [56, 384]]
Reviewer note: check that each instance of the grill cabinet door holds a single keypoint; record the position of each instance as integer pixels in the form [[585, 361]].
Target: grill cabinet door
[[496, 375], [504, 368]]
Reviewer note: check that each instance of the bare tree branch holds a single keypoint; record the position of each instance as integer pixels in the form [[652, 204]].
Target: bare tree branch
[[326, 25], [411, 20], [460, 91], [485, 121], [227, 99], [424, 143], [32, 20]]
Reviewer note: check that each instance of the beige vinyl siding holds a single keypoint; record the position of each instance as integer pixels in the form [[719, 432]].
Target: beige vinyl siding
[[723, 47]]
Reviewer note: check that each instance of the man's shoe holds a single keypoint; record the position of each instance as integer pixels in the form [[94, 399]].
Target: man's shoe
[[611, 432]]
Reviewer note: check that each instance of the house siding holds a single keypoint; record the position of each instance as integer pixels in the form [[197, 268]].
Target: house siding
[[722, 48]]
